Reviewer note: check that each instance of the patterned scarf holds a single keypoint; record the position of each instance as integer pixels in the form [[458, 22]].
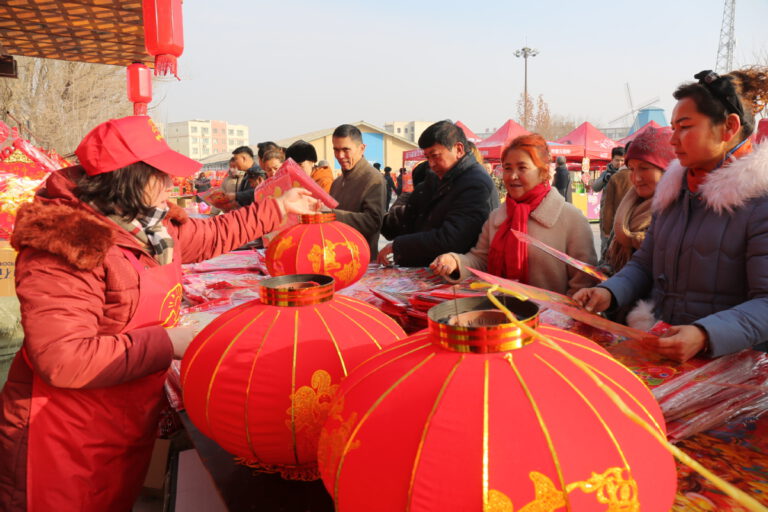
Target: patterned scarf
[[633, 217], [151, 232], [508, 256], [696, 177]]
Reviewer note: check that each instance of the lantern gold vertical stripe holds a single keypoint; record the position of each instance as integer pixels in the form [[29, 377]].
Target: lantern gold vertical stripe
[[425, 430], [218, 365], [250, 381], [351, 305], [414, 340], [333, 340], [367, 415], [510, 358], [486, 372], [293, 384], [591, 408], [359, 326]]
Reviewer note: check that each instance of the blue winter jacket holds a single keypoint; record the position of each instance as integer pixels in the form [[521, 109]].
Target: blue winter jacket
[[704, 260]]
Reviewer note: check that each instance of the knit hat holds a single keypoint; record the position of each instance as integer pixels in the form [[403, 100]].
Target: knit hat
[[652, 146]]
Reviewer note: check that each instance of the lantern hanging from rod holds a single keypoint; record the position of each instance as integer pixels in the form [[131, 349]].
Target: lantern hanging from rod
[[139, 87], [320, 245], [474, 414], [258, 380], [164, 34]]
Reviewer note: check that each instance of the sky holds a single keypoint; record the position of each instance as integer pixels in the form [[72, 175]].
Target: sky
[[292, 66]]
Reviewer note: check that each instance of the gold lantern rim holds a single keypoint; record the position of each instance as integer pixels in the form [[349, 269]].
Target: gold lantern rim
[[317, 218], [475, 325], [296, 290]]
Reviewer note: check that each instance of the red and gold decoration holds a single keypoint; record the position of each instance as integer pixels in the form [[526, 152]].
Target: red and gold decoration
[[163, 34], [259, 379], [478, 413], [139, 87], [320, 245]]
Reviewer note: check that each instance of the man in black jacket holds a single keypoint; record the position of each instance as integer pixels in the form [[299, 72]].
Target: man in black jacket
[[446, 212], [563, 179]]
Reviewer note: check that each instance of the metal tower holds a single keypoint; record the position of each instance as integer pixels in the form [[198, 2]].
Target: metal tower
[[724, 62]]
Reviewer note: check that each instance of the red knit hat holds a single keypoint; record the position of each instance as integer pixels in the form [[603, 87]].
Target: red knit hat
[[121, 142], [652, 146]]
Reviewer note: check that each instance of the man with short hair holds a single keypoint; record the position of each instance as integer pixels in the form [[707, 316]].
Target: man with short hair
[[445, 212], [360, 189], [614, 182], [243, 161], [562, 180]]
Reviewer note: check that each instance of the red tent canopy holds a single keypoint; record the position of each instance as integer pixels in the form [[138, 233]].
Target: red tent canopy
[[469, 134], [491, 147], [647, 126], [597, 146]]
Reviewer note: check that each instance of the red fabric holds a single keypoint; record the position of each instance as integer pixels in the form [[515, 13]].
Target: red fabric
[[120, 142], [696, 177], [508, 256], [78, 293]]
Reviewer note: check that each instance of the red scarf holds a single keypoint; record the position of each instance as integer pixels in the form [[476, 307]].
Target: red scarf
[[508, 256], [696, 177]]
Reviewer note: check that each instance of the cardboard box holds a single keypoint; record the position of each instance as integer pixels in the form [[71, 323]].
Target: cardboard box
[[7, 269], [158, 465]]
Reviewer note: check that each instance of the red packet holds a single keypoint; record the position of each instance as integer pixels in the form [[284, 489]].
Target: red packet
[[288, 176], [565, 258], [659, 329]]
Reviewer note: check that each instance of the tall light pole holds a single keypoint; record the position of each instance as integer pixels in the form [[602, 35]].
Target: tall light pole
[[526, 52]]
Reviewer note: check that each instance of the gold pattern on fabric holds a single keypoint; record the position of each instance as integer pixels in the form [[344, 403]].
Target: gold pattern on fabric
[[310, 406], [18, 156], [326, 256], [498, 502], [334, 440], [282, 245]]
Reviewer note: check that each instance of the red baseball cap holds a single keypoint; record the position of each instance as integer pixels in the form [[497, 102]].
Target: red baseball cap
[[125, 141]]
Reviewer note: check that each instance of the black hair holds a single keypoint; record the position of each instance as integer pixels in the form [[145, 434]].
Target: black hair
[[301, 151], [347, 130], [266, 146], [387, 170], [420, 172], [626, 147], [243, 149], [617, 151], [119, 192], [377, 165], [444, 133]]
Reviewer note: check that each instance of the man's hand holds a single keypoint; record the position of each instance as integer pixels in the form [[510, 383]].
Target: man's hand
[[594, 300], [444, 265], [298, 201], [386, 257], [680, 342]]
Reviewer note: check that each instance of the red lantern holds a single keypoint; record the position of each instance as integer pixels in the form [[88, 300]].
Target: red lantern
[[259, 379], [320, 245], [139, 87], [474, 415], [163, 34]]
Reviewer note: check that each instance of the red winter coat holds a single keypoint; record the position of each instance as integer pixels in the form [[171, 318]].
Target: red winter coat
[[78, 291]]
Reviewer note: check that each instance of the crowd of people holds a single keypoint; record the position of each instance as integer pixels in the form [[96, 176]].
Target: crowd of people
[[684, 236]]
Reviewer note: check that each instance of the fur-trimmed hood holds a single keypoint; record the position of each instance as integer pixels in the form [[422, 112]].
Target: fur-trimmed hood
[[725, 189], [59, 223]]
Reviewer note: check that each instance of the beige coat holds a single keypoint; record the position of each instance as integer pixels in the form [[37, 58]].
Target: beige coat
[[556, 223]]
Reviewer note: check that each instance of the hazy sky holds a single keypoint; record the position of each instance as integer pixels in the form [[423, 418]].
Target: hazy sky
[[288, 67]]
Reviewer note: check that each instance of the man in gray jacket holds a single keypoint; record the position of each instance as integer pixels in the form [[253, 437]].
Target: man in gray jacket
[[360, 190]]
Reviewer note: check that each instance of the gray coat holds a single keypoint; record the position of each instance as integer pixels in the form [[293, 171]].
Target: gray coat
[[705, 257]]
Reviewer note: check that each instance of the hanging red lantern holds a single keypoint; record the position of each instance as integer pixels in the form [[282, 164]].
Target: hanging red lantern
[[163, 34], [259, 379], [474, 414], [320, 245], [139, 87]]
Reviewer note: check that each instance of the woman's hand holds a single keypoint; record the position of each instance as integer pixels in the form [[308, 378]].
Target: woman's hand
[[298, 201], [594, 300], [444, 265], [181, 337], [680, 342], [386, 256]]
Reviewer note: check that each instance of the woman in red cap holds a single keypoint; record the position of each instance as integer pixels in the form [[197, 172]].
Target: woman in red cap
[[98, 278], [704, 261]]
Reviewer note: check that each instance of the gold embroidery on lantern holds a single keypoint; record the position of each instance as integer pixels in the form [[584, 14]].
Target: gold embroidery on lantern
[[498, 502], [326, 256], [309, 407], [282, 245], [332, 443]]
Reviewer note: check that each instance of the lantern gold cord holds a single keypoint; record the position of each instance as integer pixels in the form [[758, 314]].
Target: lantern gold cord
[[737, 494]]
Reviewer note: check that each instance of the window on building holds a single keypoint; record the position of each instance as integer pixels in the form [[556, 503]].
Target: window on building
[[398, 130], [205, 131], [230, 131], [194, 129], [240, 133], [194, 151]]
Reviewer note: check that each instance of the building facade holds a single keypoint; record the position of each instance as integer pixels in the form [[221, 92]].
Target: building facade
[[199, 139], [410, 130]]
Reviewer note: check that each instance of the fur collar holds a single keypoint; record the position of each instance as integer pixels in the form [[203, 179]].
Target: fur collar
[[72, 231], [725, 189]]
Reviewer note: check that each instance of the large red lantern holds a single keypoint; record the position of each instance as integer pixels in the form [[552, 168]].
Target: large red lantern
[[163, 34], [139, 87], [320, 245], [259, 379], [473, 414]]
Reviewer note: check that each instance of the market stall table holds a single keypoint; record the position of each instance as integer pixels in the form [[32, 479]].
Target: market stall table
[[736, 451]]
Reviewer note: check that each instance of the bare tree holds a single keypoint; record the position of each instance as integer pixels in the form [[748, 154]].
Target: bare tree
[[542, 119], [57, 102], [525, 111]]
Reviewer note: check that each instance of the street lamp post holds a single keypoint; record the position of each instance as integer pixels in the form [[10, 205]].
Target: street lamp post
[[526, 52]]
